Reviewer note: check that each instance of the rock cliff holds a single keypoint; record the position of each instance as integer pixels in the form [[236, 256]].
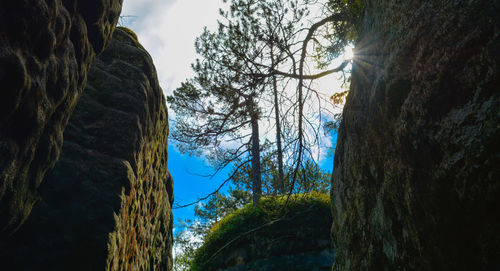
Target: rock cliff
[[106, 205], [46, 49], [416, 183]]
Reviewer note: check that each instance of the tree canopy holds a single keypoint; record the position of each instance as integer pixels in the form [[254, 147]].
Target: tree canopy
[[242, 92], [252, 106]]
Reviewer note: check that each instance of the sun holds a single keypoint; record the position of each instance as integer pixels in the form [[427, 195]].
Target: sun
[[348, 53]]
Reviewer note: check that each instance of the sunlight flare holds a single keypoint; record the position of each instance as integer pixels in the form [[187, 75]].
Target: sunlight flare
[[348, 53]]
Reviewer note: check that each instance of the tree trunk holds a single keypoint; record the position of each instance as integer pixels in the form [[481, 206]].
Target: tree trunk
[[255, 153], [281, 182]]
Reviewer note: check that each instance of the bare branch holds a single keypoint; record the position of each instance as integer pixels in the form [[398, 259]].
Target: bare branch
[[214, 192]]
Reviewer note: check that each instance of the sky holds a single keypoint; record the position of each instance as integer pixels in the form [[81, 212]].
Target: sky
[[167, 29]]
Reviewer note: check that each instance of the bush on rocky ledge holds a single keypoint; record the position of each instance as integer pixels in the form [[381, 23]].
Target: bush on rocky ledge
[[271, 230]]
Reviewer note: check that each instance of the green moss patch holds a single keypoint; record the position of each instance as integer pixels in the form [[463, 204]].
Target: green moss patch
[[268, 230], [129, 31]]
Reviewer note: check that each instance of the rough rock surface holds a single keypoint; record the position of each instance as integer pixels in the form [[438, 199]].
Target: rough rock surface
[[106, 205], [416, 183], [46, 48]]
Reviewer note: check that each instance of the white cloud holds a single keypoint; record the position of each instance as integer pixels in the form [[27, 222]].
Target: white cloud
[[167, 29]]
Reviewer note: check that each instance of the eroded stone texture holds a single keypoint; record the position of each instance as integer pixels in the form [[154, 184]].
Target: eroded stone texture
[[46, 48], [416, 184], [106, 205]]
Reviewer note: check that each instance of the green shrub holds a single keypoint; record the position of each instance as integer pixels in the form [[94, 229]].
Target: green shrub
[[340, 34], [307, 217]]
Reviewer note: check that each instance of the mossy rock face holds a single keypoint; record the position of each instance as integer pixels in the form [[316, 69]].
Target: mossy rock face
[[267, 237], [129, 32], [416, 178], [107, 203], [46, 50]]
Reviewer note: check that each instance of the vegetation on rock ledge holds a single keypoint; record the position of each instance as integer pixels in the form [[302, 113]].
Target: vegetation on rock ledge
[[272, 228]]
